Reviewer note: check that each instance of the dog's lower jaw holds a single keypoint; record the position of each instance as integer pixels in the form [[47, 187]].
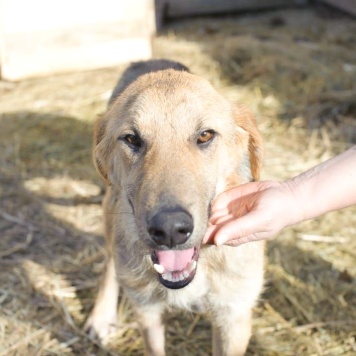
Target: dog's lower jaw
[[181, 280]]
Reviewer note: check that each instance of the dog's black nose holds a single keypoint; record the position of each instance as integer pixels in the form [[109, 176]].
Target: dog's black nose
[[170, 227]]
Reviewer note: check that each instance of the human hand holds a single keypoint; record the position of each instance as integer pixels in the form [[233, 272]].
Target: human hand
[[250, 212]]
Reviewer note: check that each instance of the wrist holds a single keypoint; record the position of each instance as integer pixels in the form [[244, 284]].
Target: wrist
[[295, 192]]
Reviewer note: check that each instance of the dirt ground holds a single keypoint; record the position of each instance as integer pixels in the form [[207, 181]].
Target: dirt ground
[[296, 69]]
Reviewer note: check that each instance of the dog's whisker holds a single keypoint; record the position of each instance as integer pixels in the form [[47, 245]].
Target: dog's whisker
[[119, 213]]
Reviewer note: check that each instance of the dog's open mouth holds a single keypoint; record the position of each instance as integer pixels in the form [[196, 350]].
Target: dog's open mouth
[[176, 269]]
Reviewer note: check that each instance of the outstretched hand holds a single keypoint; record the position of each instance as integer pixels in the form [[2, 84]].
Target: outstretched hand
[[250, 212], [258, 210]]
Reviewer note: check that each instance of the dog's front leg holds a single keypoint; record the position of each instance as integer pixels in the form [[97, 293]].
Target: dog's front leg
[[231, 333], [102, 321], [150, 320]]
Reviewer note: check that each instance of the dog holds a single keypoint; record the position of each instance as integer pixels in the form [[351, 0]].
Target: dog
[[167, 145]]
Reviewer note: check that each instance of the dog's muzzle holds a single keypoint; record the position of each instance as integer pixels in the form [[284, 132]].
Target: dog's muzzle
[[168, 229]]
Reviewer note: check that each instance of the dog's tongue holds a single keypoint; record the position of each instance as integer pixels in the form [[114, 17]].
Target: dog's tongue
[[175, 260]]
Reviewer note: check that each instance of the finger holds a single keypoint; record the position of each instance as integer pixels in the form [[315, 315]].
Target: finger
[[239, 228], [213, 228], [222, 217], [218, 214], [223, 199], [243, 240], [209, 234]]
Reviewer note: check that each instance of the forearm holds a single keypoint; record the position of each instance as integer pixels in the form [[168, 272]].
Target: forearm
[[329, 186]]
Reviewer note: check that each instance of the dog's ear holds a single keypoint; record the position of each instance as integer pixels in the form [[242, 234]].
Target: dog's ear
[[101, 150], [245, 119]]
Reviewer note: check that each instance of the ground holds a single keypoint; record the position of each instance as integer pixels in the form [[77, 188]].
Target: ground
[[296, 69]]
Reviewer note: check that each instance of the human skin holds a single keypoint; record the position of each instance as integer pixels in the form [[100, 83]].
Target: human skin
[[259, 210]]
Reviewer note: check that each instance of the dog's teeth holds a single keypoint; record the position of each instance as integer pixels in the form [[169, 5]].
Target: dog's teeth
[[167, 276], [193, 266], [174, 276], [159, 268]]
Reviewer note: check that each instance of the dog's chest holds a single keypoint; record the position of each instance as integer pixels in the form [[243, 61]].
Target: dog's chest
[[192, 298], [186, 302]]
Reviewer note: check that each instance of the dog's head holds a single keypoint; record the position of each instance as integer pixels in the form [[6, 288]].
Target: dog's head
[[170, 143]]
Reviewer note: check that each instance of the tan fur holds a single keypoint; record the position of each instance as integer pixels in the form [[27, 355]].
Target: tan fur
[[167, 108]]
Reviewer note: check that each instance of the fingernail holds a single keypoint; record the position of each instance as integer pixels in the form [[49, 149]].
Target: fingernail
[[221, 239], [207, 242], [207, 236]]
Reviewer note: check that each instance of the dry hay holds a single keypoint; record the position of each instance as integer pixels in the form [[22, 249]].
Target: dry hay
[[297, 70]]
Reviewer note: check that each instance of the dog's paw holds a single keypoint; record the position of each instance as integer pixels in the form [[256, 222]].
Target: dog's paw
[[101, 327]]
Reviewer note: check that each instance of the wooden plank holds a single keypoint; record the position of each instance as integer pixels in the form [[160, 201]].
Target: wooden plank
[[48, 37], [178, 8], [348, 6]]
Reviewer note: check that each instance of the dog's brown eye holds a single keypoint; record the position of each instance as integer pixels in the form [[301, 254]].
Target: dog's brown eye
[[133, 140], [205, 136]]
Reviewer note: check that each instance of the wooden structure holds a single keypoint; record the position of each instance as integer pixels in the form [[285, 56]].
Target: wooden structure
[[40, 37], [348, 6], [180, 8]]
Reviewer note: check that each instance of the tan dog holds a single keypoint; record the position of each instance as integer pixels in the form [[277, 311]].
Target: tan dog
[[167, 145]]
